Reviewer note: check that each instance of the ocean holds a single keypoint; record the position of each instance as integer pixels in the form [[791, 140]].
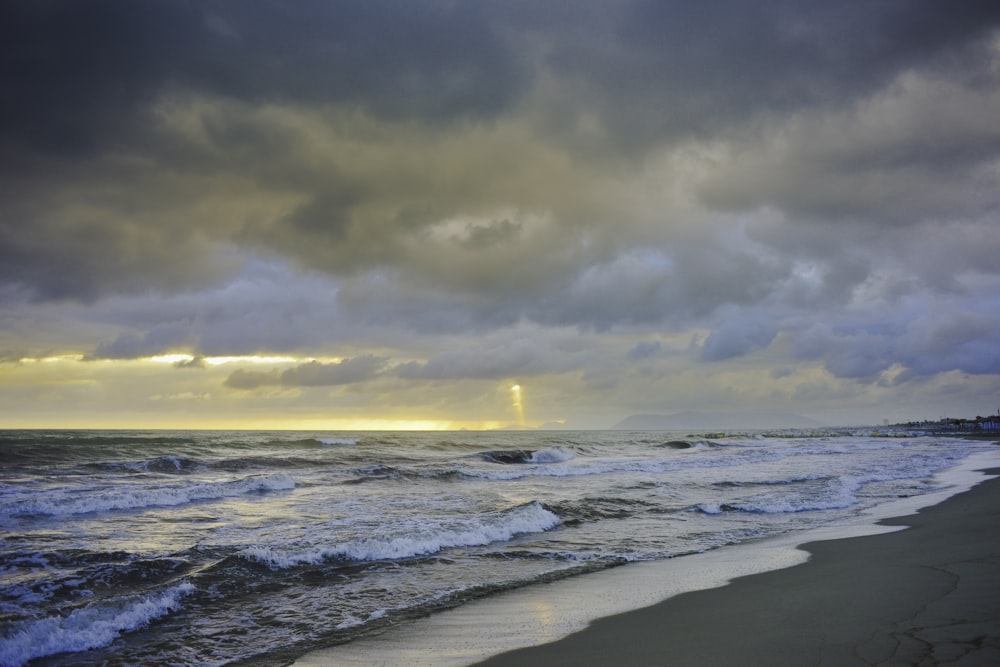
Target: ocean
[[212, 547]]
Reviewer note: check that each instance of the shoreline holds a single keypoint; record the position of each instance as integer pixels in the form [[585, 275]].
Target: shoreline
[[927, 595], [542, 624]]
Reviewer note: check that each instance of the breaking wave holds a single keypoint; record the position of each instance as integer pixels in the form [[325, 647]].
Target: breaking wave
[[63, 502], [480, 530], [550, 455], [86, 628], [337, 441]]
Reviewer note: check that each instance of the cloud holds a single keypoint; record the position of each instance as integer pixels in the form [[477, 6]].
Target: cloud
[[310, 374], [922, 148], [143, 158], [161, 338], [347, 371], [79, 76], [737, 337], [644, 350], [471, 191], [922, 338], [504, 354], [193, 362], [249, 380]]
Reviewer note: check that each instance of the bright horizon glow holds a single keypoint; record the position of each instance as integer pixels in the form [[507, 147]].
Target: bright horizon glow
[[150, 423], [218, 361], [188, 396]]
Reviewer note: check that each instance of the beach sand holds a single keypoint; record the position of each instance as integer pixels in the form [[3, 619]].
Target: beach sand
[[927, 595]]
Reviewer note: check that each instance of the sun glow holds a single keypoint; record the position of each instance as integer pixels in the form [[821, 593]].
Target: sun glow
[[518, 403], [218, 361], [182, 390]]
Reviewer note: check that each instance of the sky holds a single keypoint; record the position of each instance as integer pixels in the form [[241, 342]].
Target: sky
[[385, 215]]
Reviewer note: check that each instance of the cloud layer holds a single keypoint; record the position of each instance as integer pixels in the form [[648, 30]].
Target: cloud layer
[[790, 205]]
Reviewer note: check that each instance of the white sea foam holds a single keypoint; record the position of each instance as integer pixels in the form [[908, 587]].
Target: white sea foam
[[784, 504], [337, 441], [86, 628], [551, 455], [353, 622], [483, 529], [584, 467], [63, 502]]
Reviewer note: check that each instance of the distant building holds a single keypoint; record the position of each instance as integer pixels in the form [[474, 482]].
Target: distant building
[[987, 424]]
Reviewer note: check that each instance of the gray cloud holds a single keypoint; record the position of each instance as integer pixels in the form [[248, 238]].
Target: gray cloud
[[504, 355], [310, 374], [644, 350], [347, 371], [80, 75], [193, 362], [796, 184], [737, 337], [925, 337], [249, 380]]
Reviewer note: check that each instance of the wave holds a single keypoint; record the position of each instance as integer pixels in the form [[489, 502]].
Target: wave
[[160, 464], [477, 531], [379, 473], [686, 444], [65, 503], [596, 508], [506, 456], [315, 442], [624, 465], [337, 441], [551, 455], [780, 505], [830, 494], [87, 628]]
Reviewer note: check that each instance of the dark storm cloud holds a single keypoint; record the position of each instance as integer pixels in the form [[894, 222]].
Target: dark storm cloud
[[86, 82], [80, 75], [455, 167], [654, 69], [83, 84]]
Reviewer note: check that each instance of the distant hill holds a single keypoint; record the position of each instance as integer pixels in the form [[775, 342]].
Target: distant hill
[[714, 421]]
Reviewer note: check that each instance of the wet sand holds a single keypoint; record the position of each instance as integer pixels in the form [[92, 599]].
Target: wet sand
[[927, 595]]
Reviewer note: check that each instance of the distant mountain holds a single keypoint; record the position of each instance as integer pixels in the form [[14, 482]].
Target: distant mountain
[[714, 421]]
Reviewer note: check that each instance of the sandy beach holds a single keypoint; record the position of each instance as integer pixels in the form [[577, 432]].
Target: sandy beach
[[927, 595], [912, 589]]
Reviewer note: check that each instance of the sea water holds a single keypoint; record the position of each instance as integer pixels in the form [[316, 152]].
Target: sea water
[[208, 548]]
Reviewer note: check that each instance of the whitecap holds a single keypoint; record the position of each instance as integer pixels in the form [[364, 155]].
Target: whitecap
[[484, 529], [63, 502], [90, 627], [551, 455]]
